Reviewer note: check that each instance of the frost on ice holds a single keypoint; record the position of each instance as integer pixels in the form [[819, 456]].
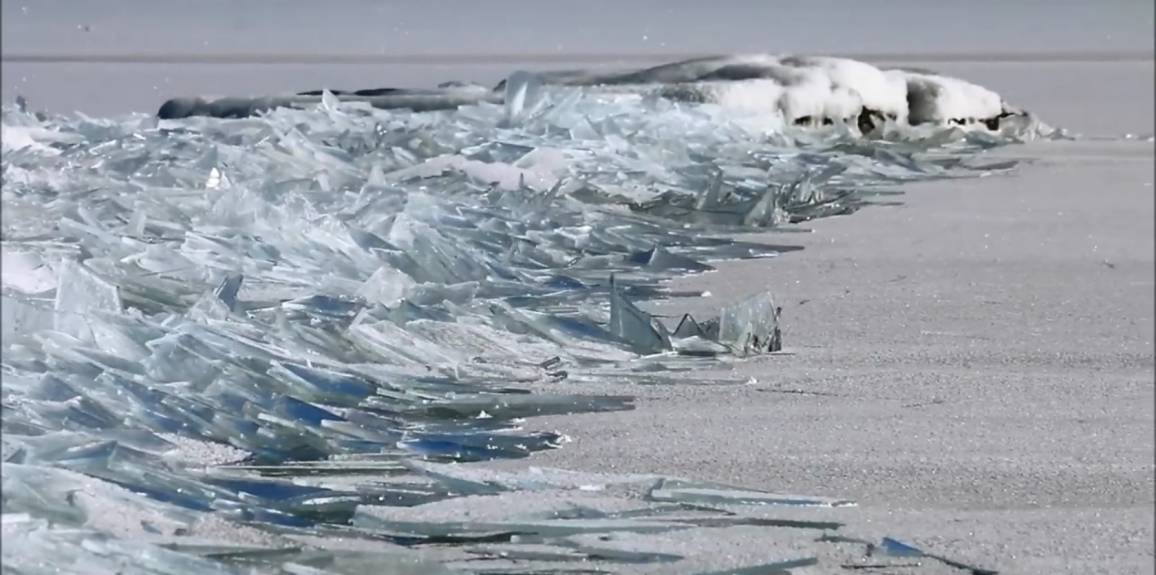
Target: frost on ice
[[264, 342]]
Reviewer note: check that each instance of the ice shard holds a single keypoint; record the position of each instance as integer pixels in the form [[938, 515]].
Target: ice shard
[[716, 494], [752, 325], [889, 547], [79, 295], [688, 327], [22, 315], [523, 92], [773, 568], [634, 326]]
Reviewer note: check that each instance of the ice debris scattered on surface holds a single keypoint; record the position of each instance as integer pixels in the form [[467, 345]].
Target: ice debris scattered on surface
[[239, 343]]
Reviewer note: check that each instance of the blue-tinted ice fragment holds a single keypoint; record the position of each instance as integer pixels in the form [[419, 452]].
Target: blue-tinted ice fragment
[[635, 326]]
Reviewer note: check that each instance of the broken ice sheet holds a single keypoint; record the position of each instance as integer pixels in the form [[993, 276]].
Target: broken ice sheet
[[560, 554], [319, 284], [72, 499], [525, 530], [890, 547], [357, 562], [26, 272], [79, 293], [751, 326], [23, 315], [697, 345], [33, 545], [634, 326], [386, 286], [706, 493], [519, 406], [523, 95], [774, 568]]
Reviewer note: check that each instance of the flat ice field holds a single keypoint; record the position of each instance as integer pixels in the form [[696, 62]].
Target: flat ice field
[[975, 366]]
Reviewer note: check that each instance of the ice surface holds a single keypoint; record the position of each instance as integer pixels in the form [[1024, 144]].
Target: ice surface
[[336, 296]]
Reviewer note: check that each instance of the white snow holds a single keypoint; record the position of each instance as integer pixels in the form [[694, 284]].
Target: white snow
[[813, 90], [935, 98]]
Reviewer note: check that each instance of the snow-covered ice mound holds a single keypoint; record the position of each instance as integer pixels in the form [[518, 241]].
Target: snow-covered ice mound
[[783, 90]]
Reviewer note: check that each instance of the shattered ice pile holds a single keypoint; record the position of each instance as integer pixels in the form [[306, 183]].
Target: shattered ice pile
[[231, 344]]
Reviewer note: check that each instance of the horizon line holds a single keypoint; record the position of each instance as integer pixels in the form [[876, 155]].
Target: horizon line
[[543, 58]]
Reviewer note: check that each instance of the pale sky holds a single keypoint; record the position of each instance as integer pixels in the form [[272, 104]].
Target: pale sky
[[521, 26]]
